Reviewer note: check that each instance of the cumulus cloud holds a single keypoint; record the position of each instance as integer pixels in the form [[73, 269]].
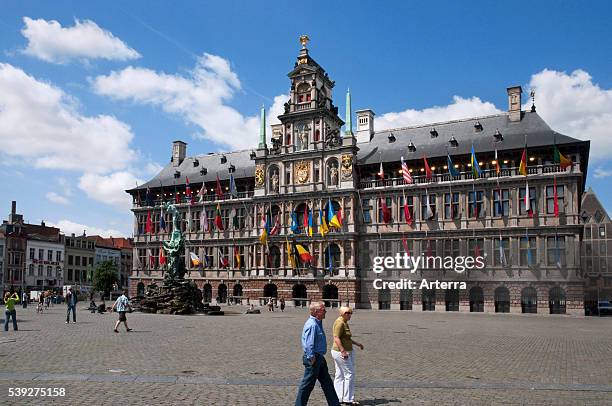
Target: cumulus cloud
[[68, 227], [458, 109], [199, 98], [51, 42], [573, 105], [602, 173], [110, 189], [55, 198], [40, 123]]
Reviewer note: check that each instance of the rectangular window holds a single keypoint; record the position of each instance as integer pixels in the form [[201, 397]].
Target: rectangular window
[[428, 213], [70, 261], [550, 199], [505, 244], [410, 202], [69, 274], [451, 248], [501, 202], [41, 254], [451, 205], [532, 201], [476, 204], [208, 257], [77, 260], [241, 217], [40, 270], [587, 232], [528, 251], [476, 247], [50, 255], [367, 210], [555, 247], [49, 271], [32, 253], [31, 270], [602, 231], [90, 261], [388, 201], [58, 256]]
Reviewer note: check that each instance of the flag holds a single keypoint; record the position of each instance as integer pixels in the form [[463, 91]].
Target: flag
[[406, 172], [223, 261], [497, 166], [290, 257], [386, 212], [162, 220], [294, 223], [323, 228], [451, 168], [263, 238], [218, 189], [428, 172], [188, 191], [405, 244], [310, 223], [561, 160], [177, 196], [476, 171], [528, 208], [151, 258], [237, 257], [162, 257], [201, 193], [476, 249], [137, 262], [381, 172], [207, 263], [305, 219], [218, 220], [502, 252], [339, 215], [332, 218], [429, 249], [303, 253], [195, 260], [149, 224], [277, 225], [233, 190], [204, 220], [407, 214], [523, 165], [428, 212], [556, 200]]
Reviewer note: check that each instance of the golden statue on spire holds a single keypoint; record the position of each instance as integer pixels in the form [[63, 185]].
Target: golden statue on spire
[[304, 40]]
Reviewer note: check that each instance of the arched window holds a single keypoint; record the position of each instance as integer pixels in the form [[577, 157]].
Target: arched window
[[270, 290], [384, 299], [451, 300], [303, 93], [222, 293], [140, 289], [207, 293], [300, 210], [428, 298], [332, 172], [299, 292], [332, 258], [237, 293], [406, 299], [529, 300], [476, 299], [556, 300], [274, 257], [330, 295], [502, 300]]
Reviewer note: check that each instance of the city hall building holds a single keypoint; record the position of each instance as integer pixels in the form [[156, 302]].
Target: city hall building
[[463, 192]]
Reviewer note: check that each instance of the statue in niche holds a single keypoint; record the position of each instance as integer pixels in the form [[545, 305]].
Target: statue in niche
[[332, 137], [333, 174], [276, 145], [275, 179]]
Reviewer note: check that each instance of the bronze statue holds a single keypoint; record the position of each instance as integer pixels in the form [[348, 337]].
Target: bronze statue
[[175, 247]]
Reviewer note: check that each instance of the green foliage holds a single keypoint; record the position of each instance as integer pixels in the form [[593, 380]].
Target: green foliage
[[104, 277]]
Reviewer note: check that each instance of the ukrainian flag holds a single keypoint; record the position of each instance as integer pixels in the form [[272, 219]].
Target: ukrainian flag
[[263, 238], [310, 225], [476, 171], [332, 217], [323, 228]]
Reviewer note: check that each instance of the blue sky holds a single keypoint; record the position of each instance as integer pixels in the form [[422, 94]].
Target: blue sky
[[93, 93]]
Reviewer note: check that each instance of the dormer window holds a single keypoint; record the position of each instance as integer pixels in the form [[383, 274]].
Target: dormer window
[[433, 132], [453, 142], [477, 126], [177, 174], [411, 147], [196, 163], [391, 138], [231, 169], [223, 159], [498, 136], [203, 171], [253, 155]]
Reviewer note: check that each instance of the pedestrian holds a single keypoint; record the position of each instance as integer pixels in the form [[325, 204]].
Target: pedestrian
[[9, 301], [121, 305], [41, 302], [344, 358], [71, 301], [270, 305], [282, 304], [315, 367]]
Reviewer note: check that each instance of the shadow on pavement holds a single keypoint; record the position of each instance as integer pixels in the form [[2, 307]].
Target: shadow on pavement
[[381, 401]]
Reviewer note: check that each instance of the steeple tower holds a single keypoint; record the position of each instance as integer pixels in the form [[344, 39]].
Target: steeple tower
[[348, 118], [262, 129]]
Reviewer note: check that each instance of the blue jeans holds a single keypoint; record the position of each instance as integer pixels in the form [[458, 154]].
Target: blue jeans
[[7, 315], [73, 308], [311, 374]]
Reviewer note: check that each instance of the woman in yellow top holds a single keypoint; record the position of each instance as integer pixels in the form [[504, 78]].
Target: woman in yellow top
[[344, 360], [9, 301]]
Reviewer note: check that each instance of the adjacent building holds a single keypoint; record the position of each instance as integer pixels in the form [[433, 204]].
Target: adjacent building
[[45, 257], [15, 250], [79, 261]]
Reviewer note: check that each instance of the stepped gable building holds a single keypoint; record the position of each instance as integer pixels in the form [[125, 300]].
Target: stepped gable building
[[313, 169]]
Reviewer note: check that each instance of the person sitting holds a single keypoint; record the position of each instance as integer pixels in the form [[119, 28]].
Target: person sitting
[[92, 306]]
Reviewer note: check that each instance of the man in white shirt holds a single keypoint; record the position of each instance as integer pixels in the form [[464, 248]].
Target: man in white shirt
[[121, 305]]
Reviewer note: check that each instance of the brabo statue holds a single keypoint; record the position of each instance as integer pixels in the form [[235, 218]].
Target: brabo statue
[[175, 247]]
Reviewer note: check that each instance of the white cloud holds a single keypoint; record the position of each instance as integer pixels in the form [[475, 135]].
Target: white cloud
[[110, 189], [199, 98], [458, 109], [573, 105], [152, 168], [68, 227], [40, 124], [65, 185], [51, 42], [602, 173], [55, 198]]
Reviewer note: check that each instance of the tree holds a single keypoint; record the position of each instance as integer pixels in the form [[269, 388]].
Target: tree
[[104, 277]]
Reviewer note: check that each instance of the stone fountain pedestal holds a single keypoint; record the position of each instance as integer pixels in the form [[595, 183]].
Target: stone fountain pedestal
[[177, 296]]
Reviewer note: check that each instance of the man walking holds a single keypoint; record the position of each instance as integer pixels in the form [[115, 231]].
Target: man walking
[[71, 301], [121, 304], [314, 344]]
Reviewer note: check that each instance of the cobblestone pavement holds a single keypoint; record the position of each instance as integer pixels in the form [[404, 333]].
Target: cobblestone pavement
[[410, 358]]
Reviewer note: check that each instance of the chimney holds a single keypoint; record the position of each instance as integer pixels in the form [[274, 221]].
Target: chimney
[[14, 207], [514, 103], [365, 125], [179, 150], [42, 223]]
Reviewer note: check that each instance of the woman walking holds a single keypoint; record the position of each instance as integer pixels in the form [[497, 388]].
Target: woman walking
[[9, 301], [344, 359]]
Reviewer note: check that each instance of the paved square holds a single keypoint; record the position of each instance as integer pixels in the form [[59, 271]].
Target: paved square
[[410, 358]]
